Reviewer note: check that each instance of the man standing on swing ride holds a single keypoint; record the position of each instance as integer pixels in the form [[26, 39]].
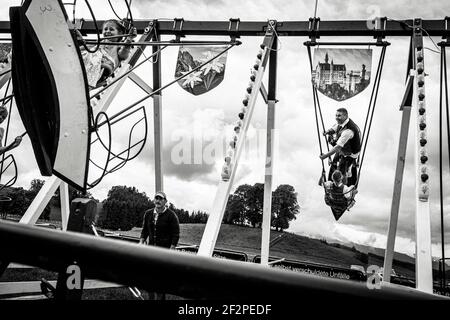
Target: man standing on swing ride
[[345, 138]]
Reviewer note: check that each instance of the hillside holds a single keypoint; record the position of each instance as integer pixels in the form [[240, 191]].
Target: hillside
[[401, 258], [290, 246], [296, 247]]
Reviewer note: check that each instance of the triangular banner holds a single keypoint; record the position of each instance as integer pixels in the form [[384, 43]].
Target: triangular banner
[[208, 76], [341, 73]]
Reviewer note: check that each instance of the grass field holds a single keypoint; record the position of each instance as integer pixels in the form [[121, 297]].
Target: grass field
[[248, 240]]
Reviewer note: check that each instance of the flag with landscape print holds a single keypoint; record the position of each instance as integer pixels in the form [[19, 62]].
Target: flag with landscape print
[[205, 78]]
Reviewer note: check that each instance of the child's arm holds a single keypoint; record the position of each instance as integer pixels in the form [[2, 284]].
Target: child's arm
[[80, 40], [124, 51], [12, 145]]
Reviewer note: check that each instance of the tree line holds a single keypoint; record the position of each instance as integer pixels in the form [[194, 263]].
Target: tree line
[[16, 200], [125, 206], [124, 209]]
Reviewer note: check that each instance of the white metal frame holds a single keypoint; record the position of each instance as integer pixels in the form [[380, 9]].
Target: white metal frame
[[424, 268], [212, 227]]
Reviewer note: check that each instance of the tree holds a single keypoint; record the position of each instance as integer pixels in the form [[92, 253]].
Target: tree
[[284, 206], [252, 198], [73, 194], [18, 204], [245, 206], [256, 204], [124, 208], [198, 217], [21, 199], [183, 215], [235, 210], [35, 187]]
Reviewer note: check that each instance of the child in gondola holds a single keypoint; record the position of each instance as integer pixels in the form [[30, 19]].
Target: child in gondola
[[101, 64], [339, 196]]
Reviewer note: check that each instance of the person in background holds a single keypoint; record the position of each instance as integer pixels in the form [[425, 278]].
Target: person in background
[[160, 228], [100, 65]]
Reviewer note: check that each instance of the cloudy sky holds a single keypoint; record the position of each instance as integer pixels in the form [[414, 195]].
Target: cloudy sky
[[202, 123]]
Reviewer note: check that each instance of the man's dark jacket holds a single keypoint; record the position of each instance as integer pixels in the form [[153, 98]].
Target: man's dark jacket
[[165, 233], [354, 144]]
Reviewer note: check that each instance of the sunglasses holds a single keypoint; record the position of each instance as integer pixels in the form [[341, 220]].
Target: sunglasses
[[159, 198]]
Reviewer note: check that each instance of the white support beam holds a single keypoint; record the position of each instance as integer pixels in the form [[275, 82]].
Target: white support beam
[[398, 182], [140, 83], [157, 124], [212, 227], [396, 196], [41, 200], [267, 205], [264, 93], [158, 134], [424, 268], [65, 204]]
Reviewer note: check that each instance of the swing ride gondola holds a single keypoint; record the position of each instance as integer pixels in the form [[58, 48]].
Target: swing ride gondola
[[339, 202], [49, 122], [61, 123], [7, 161]]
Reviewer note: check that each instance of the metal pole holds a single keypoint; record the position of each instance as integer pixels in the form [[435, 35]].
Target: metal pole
[[285, 28], [441, 185], [444, 56], [212, 227], [405, 107], [267, 205], [396, 196], [157, 115]]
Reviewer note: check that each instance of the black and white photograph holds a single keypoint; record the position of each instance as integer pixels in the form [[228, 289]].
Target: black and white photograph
[[224, 159]]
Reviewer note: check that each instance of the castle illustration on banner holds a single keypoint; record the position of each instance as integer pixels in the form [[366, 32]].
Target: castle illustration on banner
[[342, 73]]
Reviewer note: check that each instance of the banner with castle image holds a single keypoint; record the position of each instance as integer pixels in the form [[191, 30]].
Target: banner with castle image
[[205, 78], [341, 73]]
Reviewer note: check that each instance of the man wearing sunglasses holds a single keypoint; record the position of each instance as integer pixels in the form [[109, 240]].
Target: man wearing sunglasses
[[161, 225]]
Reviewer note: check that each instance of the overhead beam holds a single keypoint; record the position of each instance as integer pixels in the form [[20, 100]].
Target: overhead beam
[[284, 28]]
